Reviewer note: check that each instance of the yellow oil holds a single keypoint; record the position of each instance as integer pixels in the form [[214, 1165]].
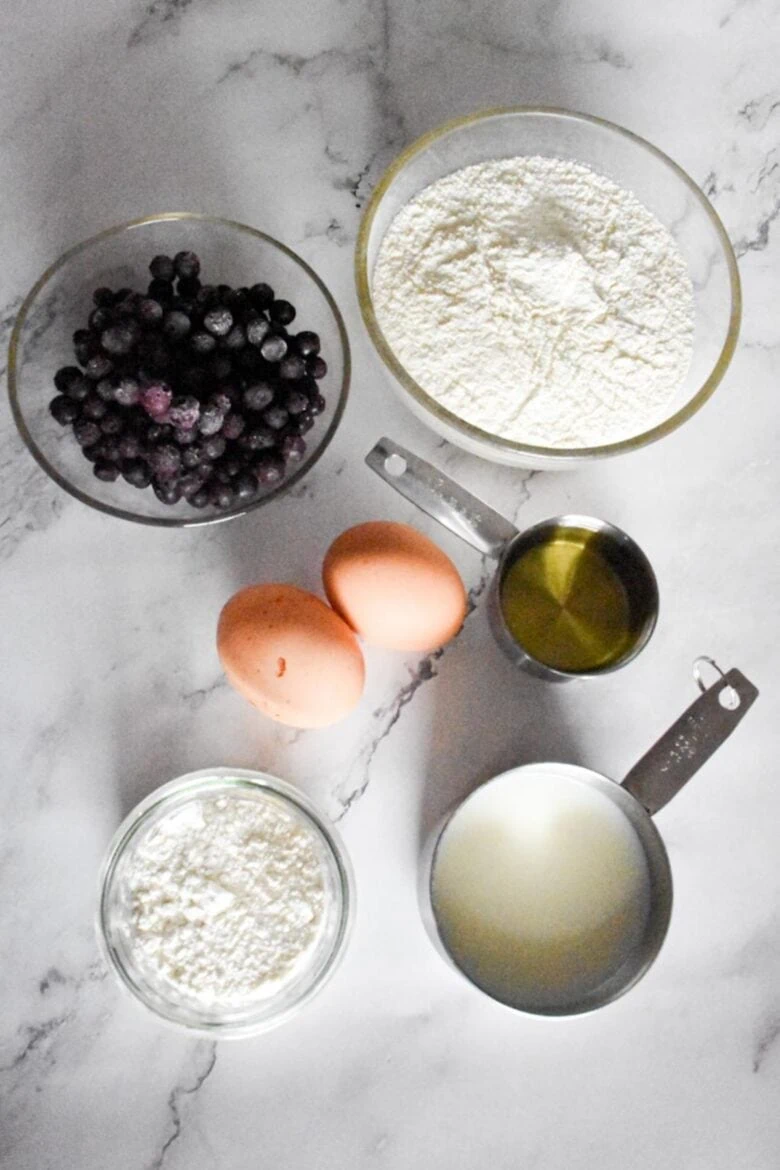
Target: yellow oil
[[566, 605]]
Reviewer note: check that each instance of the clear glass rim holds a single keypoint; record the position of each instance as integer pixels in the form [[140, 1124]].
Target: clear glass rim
[[124, 513], [476, 434], [211, 780]]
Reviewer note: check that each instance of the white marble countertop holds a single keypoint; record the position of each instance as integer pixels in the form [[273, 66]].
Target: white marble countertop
[[282, 115]]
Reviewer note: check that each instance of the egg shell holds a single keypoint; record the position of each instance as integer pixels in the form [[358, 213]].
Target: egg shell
[[290, 655], [394, 586]]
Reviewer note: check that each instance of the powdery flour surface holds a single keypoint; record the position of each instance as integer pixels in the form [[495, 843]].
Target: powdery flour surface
[[537, 300], [227, 898]]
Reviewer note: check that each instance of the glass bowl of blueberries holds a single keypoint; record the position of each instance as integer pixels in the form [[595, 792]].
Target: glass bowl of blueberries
[[178, 370]]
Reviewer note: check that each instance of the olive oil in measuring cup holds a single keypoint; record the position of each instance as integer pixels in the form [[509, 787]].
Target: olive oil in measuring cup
[[567, 605]]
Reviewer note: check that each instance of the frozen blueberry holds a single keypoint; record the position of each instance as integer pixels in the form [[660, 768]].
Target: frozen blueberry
[[191, 483], [257, 329], [191, 457], [221, 401], [273, 348], [261, 296], [86, 432], [275, 417], [112, 422], [249, 360], [66, 377], [206, 296], [118, 340], [126, 390], [188, 288], [218, 321], [211, 419], [258, 395], [245, 486], [156, 399], [318, 404], [99, 318], [93, 408], [129, 446], [316, 366], [160, 290], [136, 472], [105, 389], [221, 366], [295, 402], [176, 325], [200, 499], [184, 412], [258, 439], [103, 297], [307, 343], [213, 448], [64, 410], [165, 460], [186, 264], [292, 367], [159, 433], [168, 491], [269, 469], [106, 471], [236, 338], [293, 448], [282, 312], [98, 366], [162, 268], [301, 423], [221, 495], [202, 342], [233, 425]]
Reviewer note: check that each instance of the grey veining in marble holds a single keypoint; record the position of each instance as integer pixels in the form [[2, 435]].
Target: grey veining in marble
[[283, 115]]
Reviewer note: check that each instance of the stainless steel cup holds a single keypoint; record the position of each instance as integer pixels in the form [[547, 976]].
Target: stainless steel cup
[[491, 533], [650, 784]]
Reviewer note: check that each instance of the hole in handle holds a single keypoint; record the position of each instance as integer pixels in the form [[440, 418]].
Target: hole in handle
[[395, 465]]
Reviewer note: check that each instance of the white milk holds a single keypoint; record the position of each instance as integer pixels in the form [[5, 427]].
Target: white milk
[[540, 888]]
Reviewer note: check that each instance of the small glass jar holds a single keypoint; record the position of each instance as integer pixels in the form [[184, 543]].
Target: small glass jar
[[161, 996]]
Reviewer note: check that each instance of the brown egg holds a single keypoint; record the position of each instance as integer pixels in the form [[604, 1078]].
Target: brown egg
[[290, 655], [394, 586]]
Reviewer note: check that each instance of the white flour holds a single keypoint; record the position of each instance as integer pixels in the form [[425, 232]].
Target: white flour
[[227, 898], [537, 300]]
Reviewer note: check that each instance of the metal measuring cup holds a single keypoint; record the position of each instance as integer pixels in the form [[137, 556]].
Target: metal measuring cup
[[650, 784], [491, 533]]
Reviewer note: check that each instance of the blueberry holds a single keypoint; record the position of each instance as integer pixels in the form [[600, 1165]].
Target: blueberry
[[67, 377], [160, 290], [127, 392], [236, 338], [258, 439], [318, 405], [301, 423], [232, 465], [162, 268], [98, 366], [206, 296], [211, 420], [93, 408], [221, 401], [202, 343], [316, 366], [221, 366], [249, 360], [185, 438], [188, 288], [87, 432], [99, 318], [112, 423], [167, 492], [221, 495], [273, 348], [159, 433], [64, 410], [269, 469], [184, 412], [258, 396], [257, 329], [194, 378], [293, 448], [213, 448], [129, 446], [136, 472], [128, 307], [190, 484], [165, 461], [201, 498], [103, 297], [186, 264], [275, 417], [176, 325], [218, 321], [295, 402], [292, 367], [233, 425], [156, 400], [149, 311], [261, 296], [108, 472], [191, 457], [105, 389], [282, 312], [307, 343]]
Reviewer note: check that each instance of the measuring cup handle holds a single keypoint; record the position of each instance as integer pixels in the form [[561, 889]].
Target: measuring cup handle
[[690, 742], [440, 497]]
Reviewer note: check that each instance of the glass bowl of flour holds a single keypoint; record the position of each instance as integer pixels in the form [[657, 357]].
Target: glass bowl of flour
[[546, 288], [226, 902]]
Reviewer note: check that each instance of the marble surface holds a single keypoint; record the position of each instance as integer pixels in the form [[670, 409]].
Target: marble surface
[[283, 115]]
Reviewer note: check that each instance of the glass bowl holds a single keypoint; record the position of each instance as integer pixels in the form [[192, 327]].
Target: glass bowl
[[61, 300], [164, 998], [629, 161]]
